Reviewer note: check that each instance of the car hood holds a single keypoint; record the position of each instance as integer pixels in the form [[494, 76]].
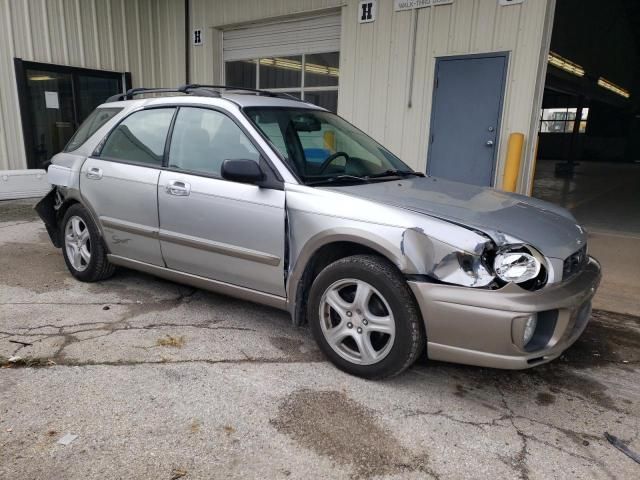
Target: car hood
[[547, 227]]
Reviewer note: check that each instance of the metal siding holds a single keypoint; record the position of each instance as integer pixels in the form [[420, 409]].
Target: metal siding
[[38, 26], [119, 34], [55, 12], [377, 101], [380, 76], [465, 27], [206, 62], [104, 46], [11, 143], [100, 34]]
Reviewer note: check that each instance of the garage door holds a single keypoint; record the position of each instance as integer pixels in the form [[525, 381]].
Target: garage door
[[300, 57]]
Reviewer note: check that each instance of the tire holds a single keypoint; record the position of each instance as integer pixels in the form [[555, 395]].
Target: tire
[[80, 234], [384, 334]]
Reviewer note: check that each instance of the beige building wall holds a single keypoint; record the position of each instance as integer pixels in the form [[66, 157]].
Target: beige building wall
[[376, 58], [214, 16], [375, 61], [144, 37]]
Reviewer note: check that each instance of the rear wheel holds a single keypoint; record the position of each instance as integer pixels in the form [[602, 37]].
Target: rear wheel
[[82, 246], [364, 317]]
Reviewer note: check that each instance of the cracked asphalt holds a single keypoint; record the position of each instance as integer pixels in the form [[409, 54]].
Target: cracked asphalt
[[162, 381]]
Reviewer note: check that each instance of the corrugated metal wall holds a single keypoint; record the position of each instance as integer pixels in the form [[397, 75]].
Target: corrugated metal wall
[[375, 61], [375, 65], [144, 37], [206, 60]]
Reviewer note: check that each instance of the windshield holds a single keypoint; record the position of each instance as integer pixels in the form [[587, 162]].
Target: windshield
[[321, 147]]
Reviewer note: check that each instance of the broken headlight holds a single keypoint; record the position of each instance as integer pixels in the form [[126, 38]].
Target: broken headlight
[[520, 264], [462, 268], [516, 267], [493, 268]]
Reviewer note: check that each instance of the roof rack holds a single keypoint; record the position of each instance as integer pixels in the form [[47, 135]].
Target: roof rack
[[197, 89], [186, 89], [256, 91]]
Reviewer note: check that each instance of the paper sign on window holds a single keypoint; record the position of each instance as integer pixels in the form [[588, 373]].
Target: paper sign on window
[[51, 100]]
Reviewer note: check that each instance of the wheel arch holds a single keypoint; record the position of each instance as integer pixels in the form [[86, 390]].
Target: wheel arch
[[324, 250]]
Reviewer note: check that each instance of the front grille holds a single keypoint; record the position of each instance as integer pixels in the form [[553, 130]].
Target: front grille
[[574, 263]]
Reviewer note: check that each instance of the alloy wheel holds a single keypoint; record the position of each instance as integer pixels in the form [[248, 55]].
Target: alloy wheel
[[77, 242], [357, 322]]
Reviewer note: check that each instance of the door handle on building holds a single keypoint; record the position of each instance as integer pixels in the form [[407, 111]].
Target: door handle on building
[[178, 188], [94, 173]]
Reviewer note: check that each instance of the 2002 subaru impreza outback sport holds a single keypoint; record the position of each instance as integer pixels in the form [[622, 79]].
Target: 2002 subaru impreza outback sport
[[280, 202]]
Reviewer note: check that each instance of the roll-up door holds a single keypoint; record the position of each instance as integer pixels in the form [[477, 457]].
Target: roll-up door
[[316, 34], [299, 57]]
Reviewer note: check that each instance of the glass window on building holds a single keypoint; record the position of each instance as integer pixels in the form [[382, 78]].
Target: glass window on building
[[55, 100], [562, 120], [309, 77]]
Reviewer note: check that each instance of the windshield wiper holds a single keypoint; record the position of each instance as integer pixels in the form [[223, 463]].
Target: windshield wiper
[[395, 173], [339, 178]]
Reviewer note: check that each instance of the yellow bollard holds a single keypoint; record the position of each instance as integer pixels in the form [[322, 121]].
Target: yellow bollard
[[514, 158], [533, 169], [330, 140]]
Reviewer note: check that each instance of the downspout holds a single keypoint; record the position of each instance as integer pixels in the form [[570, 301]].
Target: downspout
[[412, 64], [187, 40]]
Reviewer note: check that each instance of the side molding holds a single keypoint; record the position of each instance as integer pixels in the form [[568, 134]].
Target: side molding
[[193, 242], [202, 282]]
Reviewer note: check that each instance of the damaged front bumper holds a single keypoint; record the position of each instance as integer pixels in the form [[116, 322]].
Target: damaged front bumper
[[484, 327]]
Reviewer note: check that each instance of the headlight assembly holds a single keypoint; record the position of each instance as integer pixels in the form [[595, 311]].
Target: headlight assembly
[[517, 267], [520, 264], [465, 269]]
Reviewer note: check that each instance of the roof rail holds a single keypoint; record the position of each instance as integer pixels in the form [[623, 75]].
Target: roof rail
[[186, 89], [267, 93], [197, 89]]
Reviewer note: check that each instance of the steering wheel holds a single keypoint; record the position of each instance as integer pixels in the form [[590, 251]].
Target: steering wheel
[[330, 159]]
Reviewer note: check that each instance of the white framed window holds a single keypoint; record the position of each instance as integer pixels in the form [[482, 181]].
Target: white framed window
[[312, 77]]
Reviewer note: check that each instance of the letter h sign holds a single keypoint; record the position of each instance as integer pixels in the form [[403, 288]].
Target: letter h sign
[[367, 11]]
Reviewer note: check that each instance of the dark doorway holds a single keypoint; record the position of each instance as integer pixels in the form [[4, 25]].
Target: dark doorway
[[55, 99], [465, 118], [588, 155]]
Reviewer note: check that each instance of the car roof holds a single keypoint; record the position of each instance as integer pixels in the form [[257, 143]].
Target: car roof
[[239, 99]]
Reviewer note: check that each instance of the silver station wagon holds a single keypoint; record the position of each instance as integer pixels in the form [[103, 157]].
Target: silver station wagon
[[276, 201]]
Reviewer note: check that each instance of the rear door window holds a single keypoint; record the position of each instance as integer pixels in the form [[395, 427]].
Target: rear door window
[[140, 138], [94, 121]]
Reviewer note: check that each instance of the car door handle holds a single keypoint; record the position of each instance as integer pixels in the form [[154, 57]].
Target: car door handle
[[178, 188], [489, 143], [94, 173]]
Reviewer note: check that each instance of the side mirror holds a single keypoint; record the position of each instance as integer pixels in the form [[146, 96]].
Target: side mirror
[[243, 171]]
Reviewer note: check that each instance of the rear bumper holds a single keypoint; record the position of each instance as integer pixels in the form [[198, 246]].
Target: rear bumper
[[47, 212], [484, 327]]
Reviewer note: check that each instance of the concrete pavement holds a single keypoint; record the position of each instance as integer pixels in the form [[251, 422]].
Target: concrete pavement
[[160, 380]]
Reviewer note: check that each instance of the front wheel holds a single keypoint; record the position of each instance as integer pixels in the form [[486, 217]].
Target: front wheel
[[364, 317]]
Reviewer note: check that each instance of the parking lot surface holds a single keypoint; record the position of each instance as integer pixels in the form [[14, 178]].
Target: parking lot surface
[[163, 381]]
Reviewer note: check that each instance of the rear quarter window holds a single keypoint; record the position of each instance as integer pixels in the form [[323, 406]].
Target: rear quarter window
[[93, 122], [139, 138]]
